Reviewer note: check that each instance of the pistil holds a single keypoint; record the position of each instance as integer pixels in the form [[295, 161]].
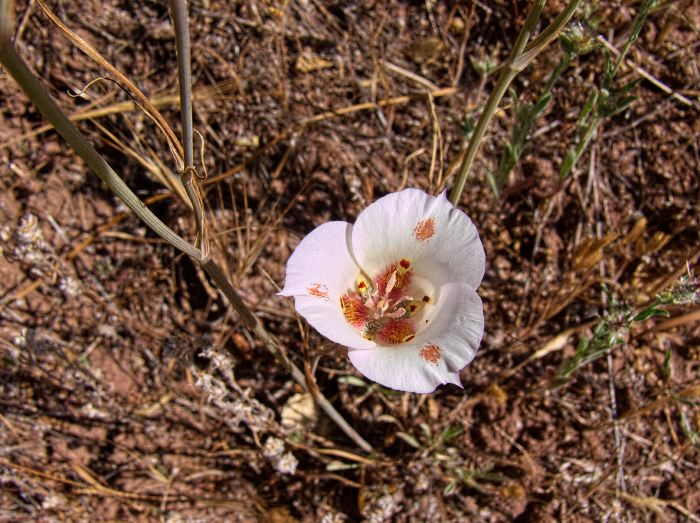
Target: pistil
[[381, 308]]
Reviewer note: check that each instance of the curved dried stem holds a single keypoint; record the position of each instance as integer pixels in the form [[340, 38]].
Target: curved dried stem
[[41, 98], [150, 109]]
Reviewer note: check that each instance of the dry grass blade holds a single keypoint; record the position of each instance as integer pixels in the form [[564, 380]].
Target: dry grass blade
[[554, 344], [105, 357], [656, 505], [134, 91], [648, 76], [685, 319], [216, 92], [590, 252], [153, 166], [396, 100]]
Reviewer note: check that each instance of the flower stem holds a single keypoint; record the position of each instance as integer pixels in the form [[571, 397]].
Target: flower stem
[[184, 70], [520, 57], [189, 173]]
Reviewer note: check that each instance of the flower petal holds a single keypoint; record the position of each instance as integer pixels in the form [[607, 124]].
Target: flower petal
[[438, 353], [328, 320], [440, 240], [319, 272], [456, 325]]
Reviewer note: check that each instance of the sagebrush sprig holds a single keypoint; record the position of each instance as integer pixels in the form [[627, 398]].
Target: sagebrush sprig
[[605, 100], [613, 329]]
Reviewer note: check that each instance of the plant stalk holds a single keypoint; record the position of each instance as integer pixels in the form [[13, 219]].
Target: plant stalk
[[184, 75], [520, 57], [189, 173]]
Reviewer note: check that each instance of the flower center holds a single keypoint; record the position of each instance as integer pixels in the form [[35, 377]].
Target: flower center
[[383, 308]]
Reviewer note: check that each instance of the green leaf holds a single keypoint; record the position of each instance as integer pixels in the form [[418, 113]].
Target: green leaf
[[413, 442], [542, 104], [666, 367], [651, 312], [450, 488], [450, 432], [352, 380], [568, 163]]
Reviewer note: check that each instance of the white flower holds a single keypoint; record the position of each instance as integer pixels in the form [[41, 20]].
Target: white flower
[[284, 463], [287, 464], [274, 448], [398, 288]]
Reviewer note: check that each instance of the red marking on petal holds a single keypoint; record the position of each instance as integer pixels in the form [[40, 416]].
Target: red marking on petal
[[397, 331], [424, 229], [318, 290], [431, 354], [354, 310]]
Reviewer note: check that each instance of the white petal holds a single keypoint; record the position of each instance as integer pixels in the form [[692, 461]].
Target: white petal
[[456, 325], [439, 239], [437, 354], [328, 319], [319, 272]]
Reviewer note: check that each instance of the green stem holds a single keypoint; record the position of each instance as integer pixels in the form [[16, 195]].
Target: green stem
[[184, 71], [637, 25], [560, 68], [582, 145], [508, 73], [519, 59], [189, 173]]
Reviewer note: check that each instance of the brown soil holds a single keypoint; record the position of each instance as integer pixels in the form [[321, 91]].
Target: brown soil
[[115, 398]]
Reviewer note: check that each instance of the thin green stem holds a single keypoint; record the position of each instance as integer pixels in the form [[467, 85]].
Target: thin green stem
[[637, 25], [560, 68], [189, 173], [573, 156], [184, 71], [508, 73], [504, 81], [549, 34], [521, 56]]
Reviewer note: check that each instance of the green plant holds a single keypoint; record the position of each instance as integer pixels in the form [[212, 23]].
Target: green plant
[[575, 40], [613, 329], [606, 99]]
